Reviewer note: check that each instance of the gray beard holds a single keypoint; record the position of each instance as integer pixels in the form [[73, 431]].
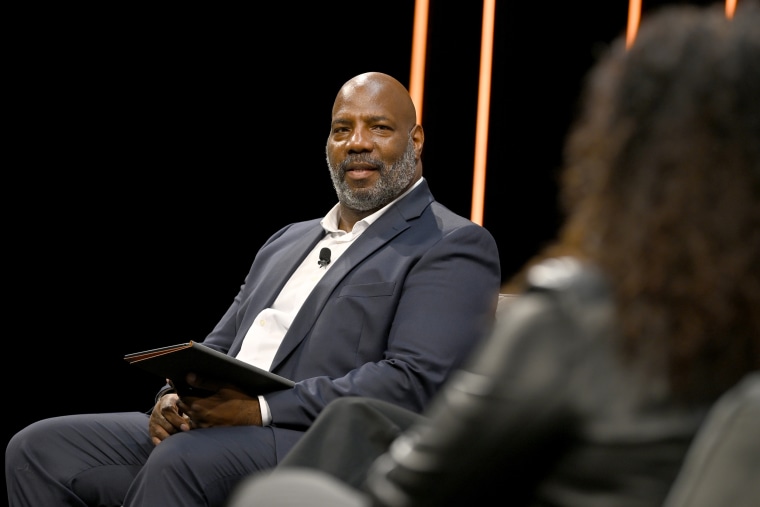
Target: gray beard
[[392, 181]]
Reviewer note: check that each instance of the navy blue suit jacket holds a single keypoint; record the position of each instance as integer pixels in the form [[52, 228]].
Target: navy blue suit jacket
[[391, 318]]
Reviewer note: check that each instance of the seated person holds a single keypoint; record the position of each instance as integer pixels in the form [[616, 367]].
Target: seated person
[[407, 291], [625, 331]]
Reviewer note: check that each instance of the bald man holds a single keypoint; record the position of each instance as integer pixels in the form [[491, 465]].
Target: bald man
[[382, 297]]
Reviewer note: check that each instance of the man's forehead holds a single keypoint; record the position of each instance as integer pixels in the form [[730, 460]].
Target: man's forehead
[[369, 100], [358, 93]]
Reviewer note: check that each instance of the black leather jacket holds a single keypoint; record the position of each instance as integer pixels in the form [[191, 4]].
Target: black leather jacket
[[543, 414]]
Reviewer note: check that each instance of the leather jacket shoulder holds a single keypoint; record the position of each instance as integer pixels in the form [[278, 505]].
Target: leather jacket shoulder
[[541, 414]]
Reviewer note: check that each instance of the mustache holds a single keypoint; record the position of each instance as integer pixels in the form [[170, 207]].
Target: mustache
[[361, 158]]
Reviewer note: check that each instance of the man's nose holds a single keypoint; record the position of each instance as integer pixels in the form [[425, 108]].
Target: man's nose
[[360, 141]]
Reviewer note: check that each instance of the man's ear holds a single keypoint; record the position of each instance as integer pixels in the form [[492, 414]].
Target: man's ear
[[418, 138]]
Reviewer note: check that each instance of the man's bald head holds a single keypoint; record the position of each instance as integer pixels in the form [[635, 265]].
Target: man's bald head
[[383, 89]]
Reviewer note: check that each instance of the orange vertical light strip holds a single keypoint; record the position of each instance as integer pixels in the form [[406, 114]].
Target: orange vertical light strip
[[634, 16], [730, 8], [419, 51], [484, 103]]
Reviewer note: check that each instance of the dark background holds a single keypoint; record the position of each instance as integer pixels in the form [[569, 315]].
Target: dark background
[[151, 152]]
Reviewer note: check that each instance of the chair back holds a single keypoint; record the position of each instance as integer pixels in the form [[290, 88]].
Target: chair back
[[722, 466]]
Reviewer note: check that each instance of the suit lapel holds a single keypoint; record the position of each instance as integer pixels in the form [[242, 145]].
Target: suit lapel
[[387, 227], [277, 274]]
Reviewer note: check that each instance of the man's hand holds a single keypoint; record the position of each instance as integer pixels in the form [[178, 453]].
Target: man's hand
[[166, 419], [227, 406]]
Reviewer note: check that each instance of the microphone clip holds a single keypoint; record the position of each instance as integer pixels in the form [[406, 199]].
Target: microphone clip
[[324, 257]]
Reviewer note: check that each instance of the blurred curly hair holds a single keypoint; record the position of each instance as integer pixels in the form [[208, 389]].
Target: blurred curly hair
[[661, 189]]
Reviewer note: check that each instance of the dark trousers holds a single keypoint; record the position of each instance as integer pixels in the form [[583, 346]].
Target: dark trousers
[[109, 460]]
